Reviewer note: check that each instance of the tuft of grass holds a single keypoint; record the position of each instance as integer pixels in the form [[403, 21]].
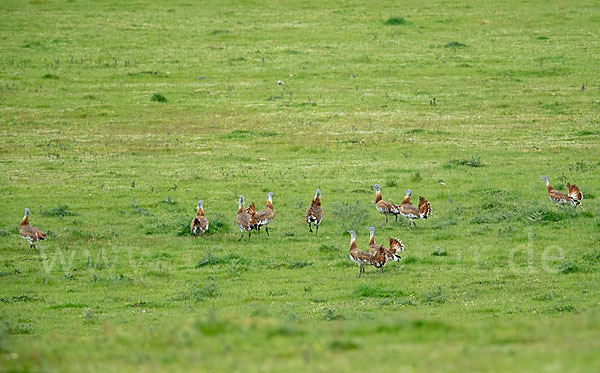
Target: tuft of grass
[[395, 21], [474, 161], [416, 177], [365, 290], [210, 259], [298, 264], [350, 215], [158, 97], [391, 183], [434, 296], [60, 212], [455, 44], [89, 316], [439, 252], [332, 314], [338, 345], [199, 293], [566, 266], [50, 76]]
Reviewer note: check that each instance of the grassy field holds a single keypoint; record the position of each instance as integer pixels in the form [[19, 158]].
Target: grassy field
[[117, 117]]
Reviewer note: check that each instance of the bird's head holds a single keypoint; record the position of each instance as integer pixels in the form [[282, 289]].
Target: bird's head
[[545, 178], [318, 194], [200, 203], [376, 187], [408, 192], [26, 212]]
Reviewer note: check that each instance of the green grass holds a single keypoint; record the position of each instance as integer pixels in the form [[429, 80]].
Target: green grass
[[118, 117]]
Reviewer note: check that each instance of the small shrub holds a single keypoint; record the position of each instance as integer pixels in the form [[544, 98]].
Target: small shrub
[[60, 212], [210, 259], [410, 259], [89, 316], [351, 215], [474, 161], [416, 177], [443, 224], [391, 183], [158, 97], [439, 252], [207, 291], [298, 264], [369, 291], [395, 21], [338, 345], [567, 266], [455, 44], [435, 296], [138, 210], [168, 201], [331, 315], [328, 249]]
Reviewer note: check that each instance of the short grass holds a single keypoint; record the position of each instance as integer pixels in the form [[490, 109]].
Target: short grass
[[117, 117]]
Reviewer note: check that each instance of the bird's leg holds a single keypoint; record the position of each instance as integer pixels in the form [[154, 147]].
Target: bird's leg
[[381, 269], [309, 227], [267, 230], [249, 235], [386, 219], [30, 246], [317, 229], [241, 236], [396, 218]]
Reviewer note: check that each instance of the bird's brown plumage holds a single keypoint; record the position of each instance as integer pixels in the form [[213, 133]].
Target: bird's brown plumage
[[30, 233], [200, 222], [573, 197], [314, 213]]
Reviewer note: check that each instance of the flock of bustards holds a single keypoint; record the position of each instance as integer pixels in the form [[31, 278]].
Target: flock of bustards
[[249, 219]]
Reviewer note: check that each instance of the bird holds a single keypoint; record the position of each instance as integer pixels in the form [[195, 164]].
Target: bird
[[409, 211], [396, 246], [266, 215], [314, 213], [384, 207], [200, 223], [244, 220], [30, 233], [361, 258], [573, 197]]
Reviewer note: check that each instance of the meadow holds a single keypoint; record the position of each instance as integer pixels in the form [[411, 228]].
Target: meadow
[[117, 117]]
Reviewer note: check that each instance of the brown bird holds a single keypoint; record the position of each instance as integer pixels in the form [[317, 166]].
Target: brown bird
[[361, 258], [384, 207], [29, 233], [200, 223], [266, 215], [573, 197], [244, 220], [314, 213], [409, 211], [391, 253]]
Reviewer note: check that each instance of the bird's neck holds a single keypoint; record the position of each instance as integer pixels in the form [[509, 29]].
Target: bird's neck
[[317, 201], [353, 244], [25, 220], [378, 196], [550, 188], [241, 208], [406, 200], [200, 212], [372, 240], [269, 204]]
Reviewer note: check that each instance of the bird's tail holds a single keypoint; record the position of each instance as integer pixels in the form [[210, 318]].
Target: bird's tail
[[424, 208]]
